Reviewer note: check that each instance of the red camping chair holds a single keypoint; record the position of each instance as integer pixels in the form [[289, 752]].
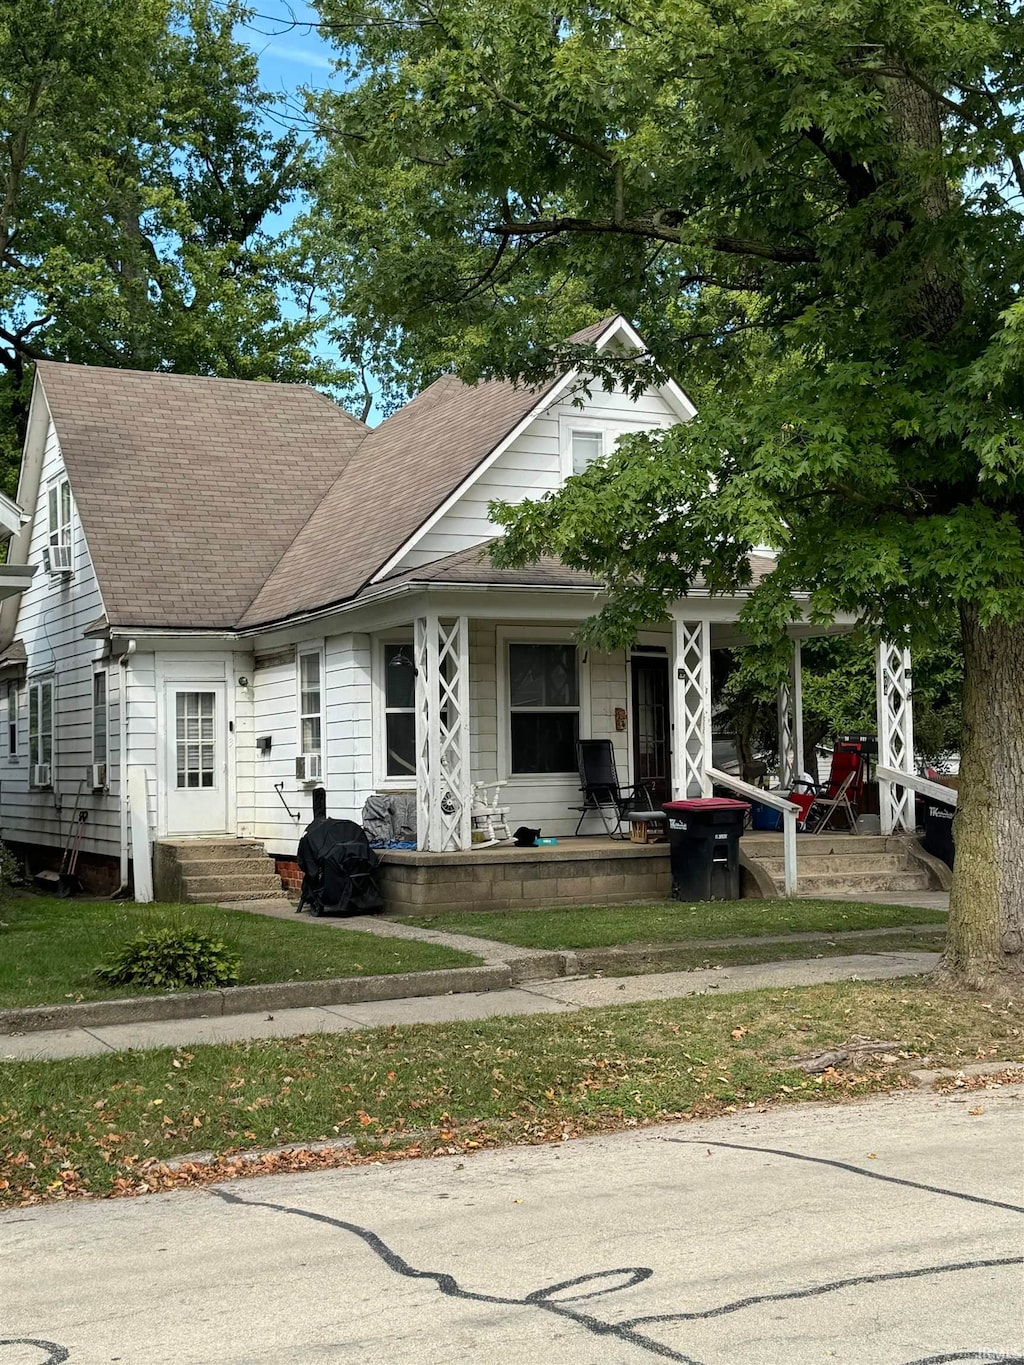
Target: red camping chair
[[844, 789]]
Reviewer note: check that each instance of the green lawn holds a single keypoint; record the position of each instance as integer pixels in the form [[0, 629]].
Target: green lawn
[[49, 947], [673, 921], [89, 1126]]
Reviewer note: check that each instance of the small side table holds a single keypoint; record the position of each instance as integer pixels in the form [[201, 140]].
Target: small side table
[[647, 826]]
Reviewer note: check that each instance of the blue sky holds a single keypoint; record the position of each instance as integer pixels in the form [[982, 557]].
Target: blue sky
[[289, 57]]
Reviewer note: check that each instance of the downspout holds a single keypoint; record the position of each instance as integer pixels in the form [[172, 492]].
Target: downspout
[[122, 890]]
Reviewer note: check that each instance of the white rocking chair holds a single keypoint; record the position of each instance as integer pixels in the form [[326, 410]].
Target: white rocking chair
[[490, 819]]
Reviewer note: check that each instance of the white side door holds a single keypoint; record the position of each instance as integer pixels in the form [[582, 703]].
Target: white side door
[[195, 758]]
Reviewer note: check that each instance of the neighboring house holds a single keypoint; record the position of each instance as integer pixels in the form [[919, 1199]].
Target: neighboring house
[[235, 592]]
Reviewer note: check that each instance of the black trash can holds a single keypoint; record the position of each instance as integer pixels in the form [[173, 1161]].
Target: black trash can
[[937, 819], [704, 847]]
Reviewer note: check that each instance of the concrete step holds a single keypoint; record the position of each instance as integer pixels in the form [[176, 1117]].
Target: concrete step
[[250, 866], [854, 884], [767, 845], [218, 888], [195, 850], [818, 864], [239, 897]]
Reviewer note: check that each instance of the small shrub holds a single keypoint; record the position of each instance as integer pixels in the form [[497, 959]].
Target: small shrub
[[11, 871], [171, 960]]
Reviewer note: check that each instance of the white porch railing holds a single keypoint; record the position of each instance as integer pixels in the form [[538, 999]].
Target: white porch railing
[[924, 785], [774, 802]]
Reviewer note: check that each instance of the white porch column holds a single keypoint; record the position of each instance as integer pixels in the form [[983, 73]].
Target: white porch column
[[691, 697], [791, 722], [443, 789], [893, 696]]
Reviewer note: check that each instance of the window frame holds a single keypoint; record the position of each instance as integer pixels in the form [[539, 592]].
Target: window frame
[[581, 423], [103, 758], [382, 780], [37, 686], [12, 750], [58, 493], [538, 635], [305, 652]]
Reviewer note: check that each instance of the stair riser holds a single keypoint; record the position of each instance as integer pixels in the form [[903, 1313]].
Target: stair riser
[[225, 867], [219, 886], [816, 866], [820, 845], [237, 897], [864, 883]]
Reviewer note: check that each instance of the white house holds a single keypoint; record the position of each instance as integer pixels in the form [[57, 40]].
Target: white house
[[230, 593]]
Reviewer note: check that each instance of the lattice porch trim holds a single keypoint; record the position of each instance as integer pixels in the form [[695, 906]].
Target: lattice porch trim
[[443, 788], [894, 699]]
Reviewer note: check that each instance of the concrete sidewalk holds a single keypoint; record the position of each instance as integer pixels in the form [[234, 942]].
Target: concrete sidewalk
[[559, 996]]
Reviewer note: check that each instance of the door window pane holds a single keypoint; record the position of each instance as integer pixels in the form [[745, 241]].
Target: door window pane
[[195, 739]]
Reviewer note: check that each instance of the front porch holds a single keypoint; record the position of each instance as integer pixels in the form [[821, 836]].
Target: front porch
[[592, 870], [588, 870]]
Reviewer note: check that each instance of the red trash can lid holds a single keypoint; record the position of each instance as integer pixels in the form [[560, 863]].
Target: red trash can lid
[[699, 803]]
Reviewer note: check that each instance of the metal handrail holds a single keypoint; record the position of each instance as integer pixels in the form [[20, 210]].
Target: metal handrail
[[924, 785], [789, 810]]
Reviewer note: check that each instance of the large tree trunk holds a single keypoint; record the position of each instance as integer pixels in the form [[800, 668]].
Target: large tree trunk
[[985, 944]]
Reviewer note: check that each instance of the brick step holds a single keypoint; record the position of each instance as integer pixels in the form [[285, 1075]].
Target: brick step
[[854, 884], [219, 888], [249, 866], [818, 864]]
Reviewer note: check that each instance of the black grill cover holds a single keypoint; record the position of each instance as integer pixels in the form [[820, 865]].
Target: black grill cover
[[339, 867]]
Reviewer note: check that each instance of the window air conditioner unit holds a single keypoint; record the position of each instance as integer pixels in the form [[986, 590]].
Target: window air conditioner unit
[[309, 768], [41, 775], [98, 773], [57, 560]]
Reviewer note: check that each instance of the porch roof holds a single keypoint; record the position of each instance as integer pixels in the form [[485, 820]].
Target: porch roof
[[474, 568]]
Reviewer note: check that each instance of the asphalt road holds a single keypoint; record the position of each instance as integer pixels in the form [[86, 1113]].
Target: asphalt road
[[882, 1233]]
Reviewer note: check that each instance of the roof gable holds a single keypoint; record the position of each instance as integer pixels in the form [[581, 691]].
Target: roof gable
[[403, 472], [190, 489]]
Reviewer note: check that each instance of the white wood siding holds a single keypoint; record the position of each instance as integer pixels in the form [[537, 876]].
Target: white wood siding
[[540, 801], [347, 743], [349, 701], [51, 618], [275, 714], [532, 466]]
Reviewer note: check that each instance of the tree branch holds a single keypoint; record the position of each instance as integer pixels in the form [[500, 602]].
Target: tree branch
[[656, 228]]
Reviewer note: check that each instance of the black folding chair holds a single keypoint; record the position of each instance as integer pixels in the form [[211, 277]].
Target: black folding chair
[[602, 795]]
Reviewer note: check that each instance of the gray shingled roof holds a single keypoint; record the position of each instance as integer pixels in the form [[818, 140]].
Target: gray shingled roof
[[189, 489], [403, 472], [217, 503], [474, 566]]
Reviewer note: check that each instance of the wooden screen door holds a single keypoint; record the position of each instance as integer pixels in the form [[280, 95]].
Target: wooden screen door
[[652, 757]]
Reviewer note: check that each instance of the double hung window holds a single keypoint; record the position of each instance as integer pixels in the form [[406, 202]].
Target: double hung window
[[40, 723], [544, 704], [399, 711], [311, 702]]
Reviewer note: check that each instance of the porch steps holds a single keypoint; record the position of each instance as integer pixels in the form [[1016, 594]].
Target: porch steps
[[198, 871], [842, 865]]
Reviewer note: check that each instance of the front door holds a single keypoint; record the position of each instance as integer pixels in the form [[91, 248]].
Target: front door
[[652, 757], [196, 758]]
